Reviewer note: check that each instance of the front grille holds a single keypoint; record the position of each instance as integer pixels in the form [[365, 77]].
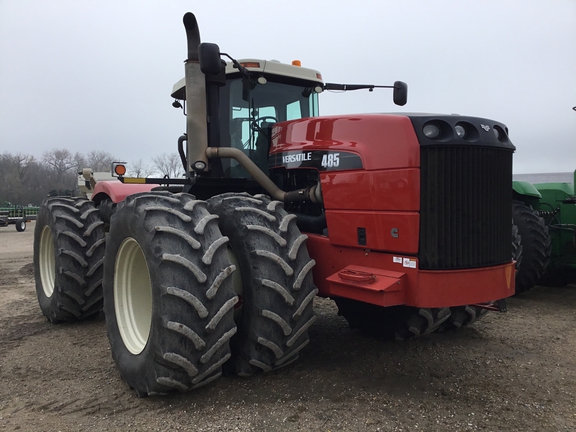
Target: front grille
[[465, 206]]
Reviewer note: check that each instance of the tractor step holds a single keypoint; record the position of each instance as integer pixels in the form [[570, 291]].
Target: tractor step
[[369, 285]]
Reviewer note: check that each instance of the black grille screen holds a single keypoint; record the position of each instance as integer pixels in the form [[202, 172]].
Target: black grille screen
[[465, 214]]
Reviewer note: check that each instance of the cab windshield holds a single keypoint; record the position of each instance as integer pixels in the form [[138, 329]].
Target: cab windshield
[[248, 113]]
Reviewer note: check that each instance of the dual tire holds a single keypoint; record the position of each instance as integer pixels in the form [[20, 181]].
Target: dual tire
[[165, 273], [171, 299]]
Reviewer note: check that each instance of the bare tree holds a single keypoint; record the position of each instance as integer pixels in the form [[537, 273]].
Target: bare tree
[[63, 167], [168, 164], [18, 179], [80, 162], [23, 163], [99, 160], [60, 161], [139, 169], [13, 170]]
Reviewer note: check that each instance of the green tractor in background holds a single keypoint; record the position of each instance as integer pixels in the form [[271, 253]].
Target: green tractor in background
[[545, 214]]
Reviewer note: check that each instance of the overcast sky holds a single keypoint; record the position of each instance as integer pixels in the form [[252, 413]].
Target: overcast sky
[[97, 75]]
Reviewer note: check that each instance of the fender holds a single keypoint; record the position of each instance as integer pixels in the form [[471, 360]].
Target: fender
[[562, 191], [117, 191], [525, 188]]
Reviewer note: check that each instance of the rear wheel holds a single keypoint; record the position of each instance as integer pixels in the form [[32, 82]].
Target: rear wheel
[[277, 287], [463, 315], [536, 246], [395, 322], [168, 294], [68, 259]]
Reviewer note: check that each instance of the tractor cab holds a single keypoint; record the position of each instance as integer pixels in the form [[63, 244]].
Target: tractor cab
[[251, 101]]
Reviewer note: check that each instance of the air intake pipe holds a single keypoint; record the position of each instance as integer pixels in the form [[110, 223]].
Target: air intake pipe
[[313, 193]]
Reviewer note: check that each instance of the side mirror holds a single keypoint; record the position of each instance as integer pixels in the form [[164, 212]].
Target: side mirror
[[400, 93], [209, 56]]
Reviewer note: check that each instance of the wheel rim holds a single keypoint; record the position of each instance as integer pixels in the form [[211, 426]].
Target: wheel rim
[[47, 262], [132, 296], [22, 225]]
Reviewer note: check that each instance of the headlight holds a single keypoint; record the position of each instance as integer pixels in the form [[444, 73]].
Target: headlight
[[500, 133], [431, 130], [199, 166], [460, 131]]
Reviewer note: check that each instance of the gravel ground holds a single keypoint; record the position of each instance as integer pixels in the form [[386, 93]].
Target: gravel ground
[[507, 372]]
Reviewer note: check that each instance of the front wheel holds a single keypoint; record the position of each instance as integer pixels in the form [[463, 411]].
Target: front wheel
[[168, 296], [21, 225]]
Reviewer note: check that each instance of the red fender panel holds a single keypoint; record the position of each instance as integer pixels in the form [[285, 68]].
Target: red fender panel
[[118, 191]]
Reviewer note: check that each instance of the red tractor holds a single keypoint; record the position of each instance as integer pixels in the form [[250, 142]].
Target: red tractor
[[406, 218]]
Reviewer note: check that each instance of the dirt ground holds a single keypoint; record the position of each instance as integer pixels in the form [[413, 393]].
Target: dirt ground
[[508, 372]]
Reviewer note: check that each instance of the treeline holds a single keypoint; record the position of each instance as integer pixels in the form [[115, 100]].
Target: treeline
[[25, 179]]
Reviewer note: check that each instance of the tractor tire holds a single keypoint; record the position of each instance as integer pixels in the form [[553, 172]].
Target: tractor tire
[[395, 322], [276, 284], [21, 225], [69, 243], [461, 316], [536, 246], [168, 295]]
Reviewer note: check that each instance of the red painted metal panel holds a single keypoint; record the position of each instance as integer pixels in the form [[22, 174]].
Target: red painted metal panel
[[421, 288], [385, 231], [463, 287], [118, 191], [397, 190], [385, 288], [383, 141]]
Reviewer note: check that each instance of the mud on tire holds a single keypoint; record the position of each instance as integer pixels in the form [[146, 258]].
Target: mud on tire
[[69, 245], [168, 296], [277, 287], [536, 246]]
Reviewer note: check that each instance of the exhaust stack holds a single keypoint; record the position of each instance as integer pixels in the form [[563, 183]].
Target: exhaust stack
[[196, 119]]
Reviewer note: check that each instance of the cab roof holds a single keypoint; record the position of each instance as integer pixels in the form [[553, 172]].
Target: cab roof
[[270, 67]]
